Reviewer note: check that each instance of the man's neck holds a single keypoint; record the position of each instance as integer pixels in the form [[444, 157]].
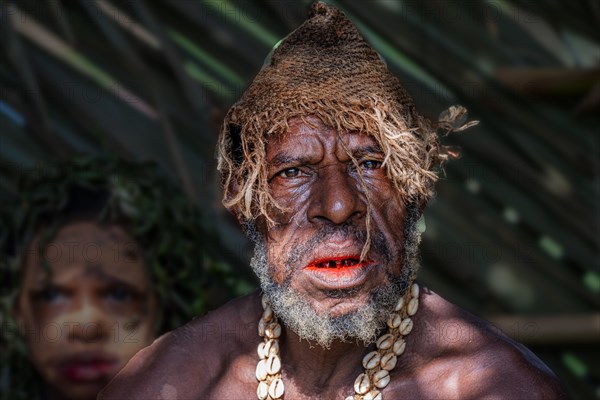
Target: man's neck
[[308, 364]]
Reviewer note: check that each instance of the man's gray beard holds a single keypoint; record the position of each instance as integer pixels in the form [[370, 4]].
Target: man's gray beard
[[362, 325]]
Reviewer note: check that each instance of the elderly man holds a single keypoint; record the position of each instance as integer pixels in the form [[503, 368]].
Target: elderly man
[[328, 167]]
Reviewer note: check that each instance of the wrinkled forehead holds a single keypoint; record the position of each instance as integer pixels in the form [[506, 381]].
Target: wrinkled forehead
[[310, 133]]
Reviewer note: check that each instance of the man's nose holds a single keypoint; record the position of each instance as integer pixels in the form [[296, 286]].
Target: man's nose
[[336, 197], [86, 321]]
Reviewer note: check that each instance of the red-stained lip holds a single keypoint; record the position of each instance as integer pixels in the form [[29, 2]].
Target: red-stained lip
[[335, 262], [340, 272], [87, 367]]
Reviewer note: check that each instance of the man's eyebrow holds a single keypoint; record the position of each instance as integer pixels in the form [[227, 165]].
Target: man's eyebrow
[[371, 149], [286, 158]]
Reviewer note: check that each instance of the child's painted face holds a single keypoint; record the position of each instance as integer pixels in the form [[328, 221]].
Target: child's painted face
[[90, 313]]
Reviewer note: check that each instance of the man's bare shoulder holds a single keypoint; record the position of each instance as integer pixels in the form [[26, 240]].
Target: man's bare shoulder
[[184, 362], [459, 355]]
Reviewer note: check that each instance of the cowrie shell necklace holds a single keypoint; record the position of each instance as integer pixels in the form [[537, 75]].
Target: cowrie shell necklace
[[377, 363]]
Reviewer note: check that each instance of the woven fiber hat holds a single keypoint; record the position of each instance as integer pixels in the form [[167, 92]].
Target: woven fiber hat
[[326, 69]]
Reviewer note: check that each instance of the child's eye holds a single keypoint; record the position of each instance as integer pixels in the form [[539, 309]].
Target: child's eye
[[50, 294], [120, 294]]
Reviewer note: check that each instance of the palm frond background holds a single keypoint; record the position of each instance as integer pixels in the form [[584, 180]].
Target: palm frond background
[[514, 233]]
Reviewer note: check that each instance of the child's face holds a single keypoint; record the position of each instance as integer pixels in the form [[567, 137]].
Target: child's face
[[86, 318]]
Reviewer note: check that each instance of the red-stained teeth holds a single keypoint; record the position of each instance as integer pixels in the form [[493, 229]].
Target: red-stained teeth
[[350, 262], [340, 263]]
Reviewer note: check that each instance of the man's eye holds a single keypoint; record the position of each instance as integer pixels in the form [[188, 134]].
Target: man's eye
[[290, 173], [370, 164]]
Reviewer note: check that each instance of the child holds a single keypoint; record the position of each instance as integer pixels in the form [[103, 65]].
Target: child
[[104, 257]]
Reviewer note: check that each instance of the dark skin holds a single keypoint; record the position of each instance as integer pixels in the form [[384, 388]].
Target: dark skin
[[449, 354]]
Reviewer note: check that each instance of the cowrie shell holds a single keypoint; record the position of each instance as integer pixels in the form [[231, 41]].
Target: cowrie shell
[[276, 388], [262, 391], [373, 395], [399, 347], [371, 360], [264, 300], [385, 342], [273, 365], [406, 326], [394, 321], [381, 378], [412, 307], [267, 314], [399, 304], [388, 361], [271, 348], [260, 350], [362, 384], [261, 327], [261, 370], [273, 330], [414, 290]]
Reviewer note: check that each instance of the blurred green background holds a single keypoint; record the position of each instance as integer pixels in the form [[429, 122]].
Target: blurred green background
[[515, 230]]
